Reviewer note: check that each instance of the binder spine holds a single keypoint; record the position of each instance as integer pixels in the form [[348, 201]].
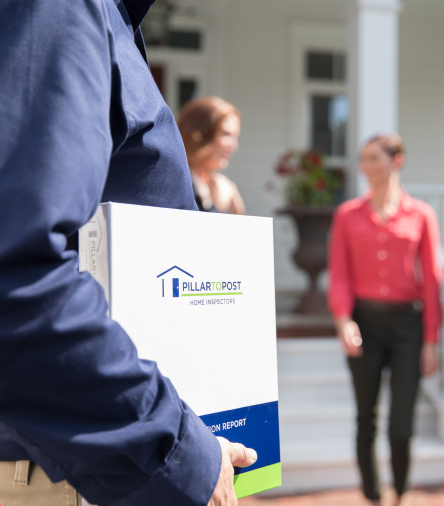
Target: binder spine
[[94, 249]]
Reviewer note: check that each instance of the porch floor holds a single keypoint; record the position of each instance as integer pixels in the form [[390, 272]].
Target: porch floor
[[290, 323], [423, 496]]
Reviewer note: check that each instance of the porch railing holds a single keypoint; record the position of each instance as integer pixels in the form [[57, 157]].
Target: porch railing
[[433, 388], [433, 194]]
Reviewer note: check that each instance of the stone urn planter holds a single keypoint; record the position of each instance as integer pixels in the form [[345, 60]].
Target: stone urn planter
[[313, 225]]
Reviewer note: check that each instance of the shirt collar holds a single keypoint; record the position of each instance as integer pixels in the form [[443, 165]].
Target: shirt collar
[[137, 10], [405, 205]]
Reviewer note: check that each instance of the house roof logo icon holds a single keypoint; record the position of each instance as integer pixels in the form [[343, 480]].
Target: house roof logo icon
[[176, 289], [175, 267]]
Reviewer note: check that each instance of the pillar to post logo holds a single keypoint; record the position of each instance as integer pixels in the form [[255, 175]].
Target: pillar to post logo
[[178, 282]]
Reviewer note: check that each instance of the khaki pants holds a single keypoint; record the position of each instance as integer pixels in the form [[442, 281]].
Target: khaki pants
[[24, 483]]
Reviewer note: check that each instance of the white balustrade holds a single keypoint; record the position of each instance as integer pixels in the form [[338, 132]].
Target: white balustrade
[[433, 194]]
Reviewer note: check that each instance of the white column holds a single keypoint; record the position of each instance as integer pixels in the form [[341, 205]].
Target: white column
[[373, 75]]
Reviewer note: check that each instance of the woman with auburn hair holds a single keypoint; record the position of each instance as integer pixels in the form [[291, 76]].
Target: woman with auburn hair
[[210, 129], [384, 295]]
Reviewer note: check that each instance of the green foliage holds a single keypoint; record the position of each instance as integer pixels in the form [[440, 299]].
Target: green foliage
[[308, 182]]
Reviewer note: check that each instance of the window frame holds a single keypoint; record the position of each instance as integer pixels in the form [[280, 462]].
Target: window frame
[[302, 38], [183, 63], [317, 88]]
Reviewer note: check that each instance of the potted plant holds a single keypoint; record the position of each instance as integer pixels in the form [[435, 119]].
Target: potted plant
[[311, 193]]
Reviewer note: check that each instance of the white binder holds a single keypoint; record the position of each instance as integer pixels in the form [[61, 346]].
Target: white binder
[[195, 292]]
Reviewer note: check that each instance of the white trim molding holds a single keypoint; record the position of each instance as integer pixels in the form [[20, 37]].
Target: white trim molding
[[379, 5], [373, 78]]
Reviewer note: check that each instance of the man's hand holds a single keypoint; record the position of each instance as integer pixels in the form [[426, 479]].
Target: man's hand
[[233, 454], [350, 336], [429, 359]]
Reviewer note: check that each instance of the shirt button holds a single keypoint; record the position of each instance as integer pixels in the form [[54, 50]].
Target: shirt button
[[383, 273], [384, 290], [382, 237], [382, 254]]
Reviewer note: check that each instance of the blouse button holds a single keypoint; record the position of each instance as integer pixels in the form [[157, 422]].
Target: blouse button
[[384, 290], [382, 237], [382, 254], [383, 273]]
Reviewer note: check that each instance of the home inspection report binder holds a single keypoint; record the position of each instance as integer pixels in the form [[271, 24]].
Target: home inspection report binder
[[195, 292]]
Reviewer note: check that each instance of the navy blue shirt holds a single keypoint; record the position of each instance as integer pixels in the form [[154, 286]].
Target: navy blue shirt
[[81, 119]]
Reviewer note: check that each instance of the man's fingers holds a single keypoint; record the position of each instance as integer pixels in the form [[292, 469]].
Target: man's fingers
[[241, 456], [238, 454]]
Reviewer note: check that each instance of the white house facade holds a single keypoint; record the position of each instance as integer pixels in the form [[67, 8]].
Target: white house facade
[[254, 53], [330, 73]]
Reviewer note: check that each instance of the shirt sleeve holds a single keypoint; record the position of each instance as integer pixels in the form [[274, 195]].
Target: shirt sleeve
[[73, 392], [340, 294], [430, 247]]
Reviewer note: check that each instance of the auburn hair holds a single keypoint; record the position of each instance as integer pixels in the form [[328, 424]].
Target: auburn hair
[[199, 121], [392, 144]]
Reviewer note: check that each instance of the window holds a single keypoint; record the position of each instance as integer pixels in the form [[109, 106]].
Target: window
[[329, 115], [187, 90], [325, 66], [185, 40], [176, 41], [158, 73], [190, 40]]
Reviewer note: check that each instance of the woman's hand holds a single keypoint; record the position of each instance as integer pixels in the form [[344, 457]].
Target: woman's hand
[[429, 359], [350, 336]]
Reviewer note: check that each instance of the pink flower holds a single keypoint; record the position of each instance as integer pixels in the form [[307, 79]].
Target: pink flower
[[312, 158], [282, 170]]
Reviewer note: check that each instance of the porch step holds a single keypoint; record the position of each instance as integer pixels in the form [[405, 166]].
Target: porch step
[[309, 356], [338, 420], [316, 465], [304, 325], [317, 421], [305, 390]]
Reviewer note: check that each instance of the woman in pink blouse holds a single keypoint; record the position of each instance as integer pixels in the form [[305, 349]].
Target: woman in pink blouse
[[384, 295]]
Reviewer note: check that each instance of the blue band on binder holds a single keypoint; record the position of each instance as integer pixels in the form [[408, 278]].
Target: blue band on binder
[[255, 427]]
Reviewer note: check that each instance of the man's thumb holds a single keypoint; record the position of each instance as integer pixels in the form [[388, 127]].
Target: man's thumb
[[241, 456]]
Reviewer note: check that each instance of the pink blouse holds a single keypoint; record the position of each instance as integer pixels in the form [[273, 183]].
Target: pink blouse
[[394, 261]]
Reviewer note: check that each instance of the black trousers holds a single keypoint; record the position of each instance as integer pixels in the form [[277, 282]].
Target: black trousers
[[390, 339]]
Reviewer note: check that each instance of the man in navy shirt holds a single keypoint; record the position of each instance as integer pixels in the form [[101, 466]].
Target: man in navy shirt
[[81, 120]]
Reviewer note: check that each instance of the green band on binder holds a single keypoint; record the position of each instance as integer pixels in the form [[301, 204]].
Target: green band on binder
[[253, 482]]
